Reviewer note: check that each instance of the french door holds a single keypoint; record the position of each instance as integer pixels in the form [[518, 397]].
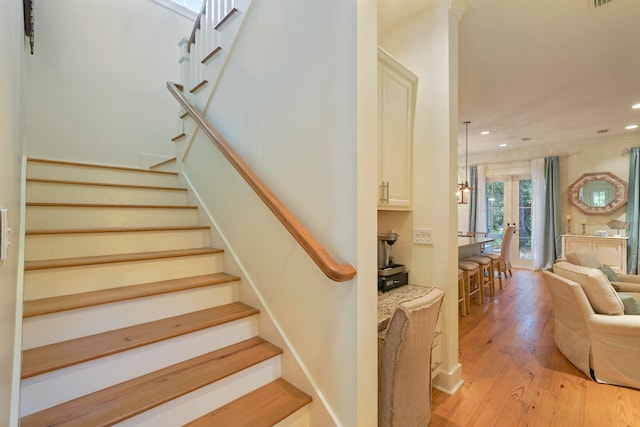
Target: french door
[[509, 203]]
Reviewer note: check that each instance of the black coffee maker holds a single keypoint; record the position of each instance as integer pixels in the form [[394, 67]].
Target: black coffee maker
[[390, 275]]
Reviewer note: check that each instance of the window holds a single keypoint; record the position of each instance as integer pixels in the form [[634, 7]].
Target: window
[[187, 8], [599, 198]]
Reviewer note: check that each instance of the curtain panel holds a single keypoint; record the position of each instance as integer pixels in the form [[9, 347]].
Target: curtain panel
[[552, 221], [473, 198], [633, 211], [537, 213]]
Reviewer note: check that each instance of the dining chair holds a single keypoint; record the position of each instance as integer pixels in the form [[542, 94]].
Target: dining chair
[[404, 362], [502, 261], [505, 250]]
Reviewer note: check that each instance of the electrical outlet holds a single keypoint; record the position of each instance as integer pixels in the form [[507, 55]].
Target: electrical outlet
[[423, 236]]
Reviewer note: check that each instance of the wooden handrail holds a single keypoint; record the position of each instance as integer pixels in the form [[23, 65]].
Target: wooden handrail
[[333, 270]]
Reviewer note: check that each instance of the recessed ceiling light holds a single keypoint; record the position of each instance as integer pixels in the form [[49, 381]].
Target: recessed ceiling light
[[631, 127], [485, 132], [636, 106], [502, 145]]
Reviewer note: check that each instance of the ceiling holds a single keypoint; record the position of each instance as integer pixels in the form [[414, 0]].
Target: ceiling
[[542, 75]]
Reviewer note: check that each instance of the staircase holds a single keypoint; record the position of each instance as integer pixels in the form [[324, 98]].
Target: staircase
[[129, 318]]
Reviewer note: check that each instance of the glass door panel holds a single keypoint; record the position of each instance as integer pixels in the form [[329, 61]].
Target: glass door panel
[[509, 202]]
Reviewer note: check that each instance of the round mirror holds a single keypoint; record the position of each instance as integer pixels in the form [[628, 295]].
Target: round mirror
[[598, 193]]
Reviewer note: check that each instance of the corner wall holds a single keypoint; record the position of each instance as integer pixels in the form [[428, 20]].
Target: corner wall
[[97, 82], [295, 103], [11, 79], [426, 43]]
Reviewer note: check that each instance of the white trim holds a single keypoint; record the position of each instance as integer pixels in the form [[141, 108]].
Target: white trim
[[179, 9], [449, 382], [14, 416]]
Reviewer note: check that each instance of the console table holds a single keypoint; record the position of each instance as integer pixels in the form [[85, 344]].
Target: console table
[[610, 250]]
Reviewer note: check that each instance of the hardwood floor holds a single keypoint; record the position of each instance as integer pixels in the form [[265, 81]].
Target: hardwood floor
[[515, 376]]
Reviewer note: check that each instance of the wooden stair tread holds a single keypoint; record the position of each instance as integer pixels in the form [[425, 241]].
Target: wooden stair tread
[[110, 259], [113, 230], [98, 166], [263, 407], [38, 307], [122, 401], [105, 184], [60, 355], [106, 205]]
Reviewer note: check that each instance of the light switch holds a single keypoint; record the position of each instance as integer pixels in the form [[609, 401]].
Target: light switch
[[423, 236]]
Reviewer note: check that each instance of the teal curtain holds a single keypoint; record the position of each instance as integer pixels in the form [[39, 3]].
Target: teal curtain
[[633, 211], [552, 248], [473, 198]]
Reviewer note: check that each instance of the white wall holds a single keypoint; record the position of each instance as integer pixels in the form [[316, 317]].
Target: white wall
[[296, 101], [426, 43], [598, 157], [605, 154], [97, 80], [11, 56]]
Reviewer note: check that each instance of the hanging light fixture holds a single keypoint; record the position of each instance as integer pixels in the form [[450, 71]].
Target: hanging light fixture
[[464, 188]]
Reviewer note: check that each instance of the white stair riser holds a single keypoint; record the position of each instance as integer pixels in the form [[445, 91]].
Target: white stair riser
[[202, 401], [69, 280], [47, 217], [50, 389], [56, 246], [300, 418], [171, 166], [67, 193], [102, 175], [66, 325]]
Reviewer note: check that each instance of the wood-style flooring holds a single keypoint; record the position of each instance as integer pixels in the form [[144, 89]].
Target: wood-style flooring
[[515, 376]]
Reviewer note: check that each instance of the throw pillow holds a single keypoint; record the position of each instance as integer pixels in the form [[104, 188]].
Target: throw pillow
[[611, 275], [601, 295], [631, 302], [587, 258]]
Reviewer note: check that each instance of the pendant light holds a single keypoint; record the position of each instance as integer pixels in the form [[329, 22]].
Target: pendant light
[[464, 188]]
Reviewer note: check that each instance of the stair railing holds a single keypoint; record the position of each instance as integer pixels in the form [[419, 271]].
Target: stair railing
[[204, 38], [333, 270]]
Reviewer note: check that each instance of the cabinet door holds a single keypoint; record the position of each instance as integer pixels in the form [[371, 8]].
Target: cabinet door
[[611, 252], [396, 103], [572, 244]]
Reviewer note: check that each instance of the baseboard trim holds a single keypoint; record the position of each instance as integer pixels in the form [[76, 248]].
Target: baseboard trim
[[449, 382]]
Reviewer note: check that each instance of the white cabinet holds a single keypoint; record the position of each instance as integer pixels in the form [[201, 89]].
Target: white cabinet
[[611, 251], [396, 105]]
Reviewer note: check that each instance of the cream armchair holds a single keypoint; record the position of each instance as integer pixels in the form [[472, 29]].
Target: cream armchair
[[606, 347], [588, 258]]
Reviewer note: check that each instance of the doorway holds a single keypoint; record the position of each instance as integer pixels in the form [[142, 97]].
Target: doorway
[[509, 203]]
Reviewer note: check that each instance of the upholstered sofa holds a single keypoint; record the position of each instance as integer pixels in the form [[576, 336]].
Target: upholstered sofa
[[591, 329], [588, 258]]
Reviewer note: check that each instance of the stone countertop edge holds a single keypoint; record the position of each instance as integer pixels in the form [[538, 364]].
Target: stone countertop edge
[[389, 301]]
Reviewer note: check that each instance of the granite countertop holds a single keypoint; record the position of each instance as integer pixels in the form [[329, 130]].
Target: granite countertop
[[389, 300]]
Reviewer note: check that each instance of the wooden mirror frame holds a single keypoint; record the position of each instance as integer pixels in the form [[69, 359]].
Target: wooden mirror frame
[[620, 195]]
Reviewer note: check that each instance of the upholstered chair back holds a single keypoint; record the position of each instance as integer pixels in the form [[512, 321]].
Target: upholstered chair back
[[404, 362]]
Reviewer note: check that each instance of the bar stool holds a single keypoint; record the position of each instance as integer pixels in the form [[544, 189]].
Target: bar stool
[[471, 274], [486, 265], [462, 299], [497, 266]]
